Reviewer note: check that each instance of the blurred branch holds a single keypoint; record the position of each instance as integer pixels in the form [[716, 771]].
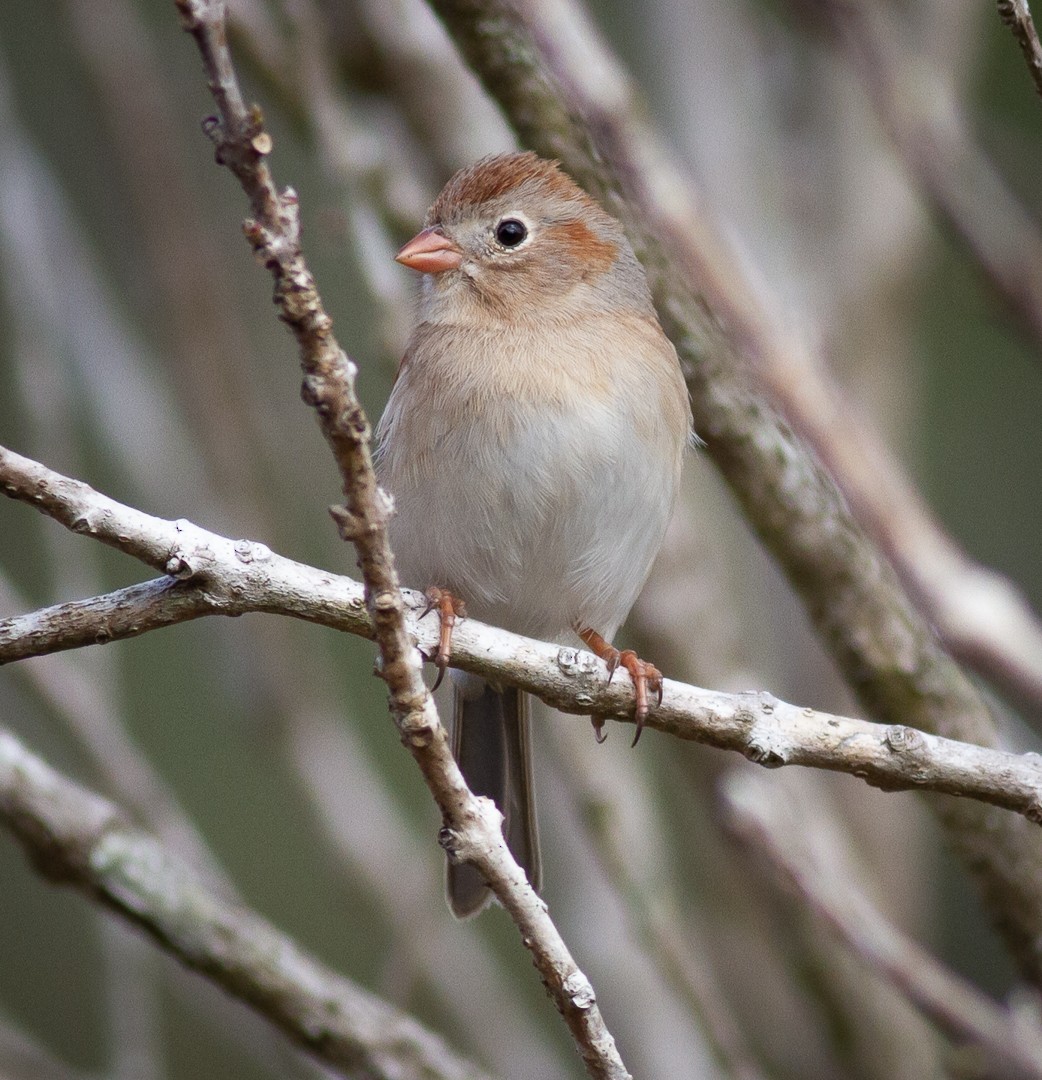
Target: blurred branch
[[367, 159], [797, 854], [981, 616], [23, 1059], [875, 1031], [452, 121], [371, 165], [194, 310], [126, 775], [75, 837], [134, 1004], [667, 932], [212, 574], [567, 98], [89, 714], [916, 106], [471, 829], [1017, 16]]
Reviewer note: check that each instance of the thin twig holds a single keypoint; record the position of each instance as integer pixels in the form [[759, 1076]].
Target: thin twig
[[208, 573], [471, 829]]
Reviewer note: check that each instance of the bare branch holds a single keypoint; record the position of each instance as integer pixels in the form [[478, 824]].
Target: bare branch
[[955, 1006], [205, 573], [471, 831], [1017, 16], [567, 98], [116, 615], [227, 577], [75, 837]]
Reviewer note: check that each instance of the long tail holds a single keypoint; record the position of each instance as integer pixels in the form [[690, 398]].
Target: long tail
[[490, 739]]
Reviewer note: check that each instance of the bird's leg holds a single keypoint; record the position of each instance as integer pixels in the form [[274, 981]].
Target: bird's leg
[[645, 676], [450, 608]]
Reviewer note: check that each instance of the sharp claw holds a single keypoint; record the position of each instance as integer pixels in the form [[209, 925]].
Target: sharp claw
[[442, 665], [598, 728], [639, 731], [433, 595], [613, 665], [645, 677], [641, 711]]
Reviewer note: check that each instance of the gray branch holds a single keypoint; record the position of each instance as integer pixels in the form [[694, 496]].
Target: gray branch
[[76, 837], [211, 574]]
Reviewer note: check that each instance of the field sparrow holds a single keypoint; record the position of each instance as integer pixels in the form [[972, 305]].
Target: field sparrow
[[532, 443]]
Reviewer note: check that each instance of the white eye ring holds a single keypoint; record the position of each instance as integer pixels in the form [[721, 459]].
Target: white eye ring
[[511, 231]]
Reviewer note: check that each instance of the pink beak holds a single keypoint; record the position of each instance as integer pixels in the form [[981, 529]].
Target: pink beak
[[430, 252]]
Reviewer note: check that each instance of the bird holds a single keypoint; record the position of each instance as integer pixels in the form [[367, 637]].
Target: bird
[[532, 444]]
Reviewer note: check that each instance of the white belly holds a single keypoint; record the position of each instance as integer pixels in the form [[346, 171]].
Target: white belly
[[537, 522]]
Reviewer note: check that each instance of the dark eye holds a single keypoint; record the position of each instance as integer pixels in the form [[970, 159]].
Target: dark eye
[[510, 232]]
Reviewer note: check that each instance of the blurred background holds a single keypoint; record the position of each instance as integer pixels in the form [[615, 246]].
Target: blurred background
[[139, 352]]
